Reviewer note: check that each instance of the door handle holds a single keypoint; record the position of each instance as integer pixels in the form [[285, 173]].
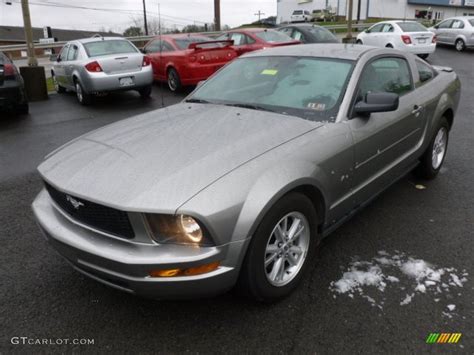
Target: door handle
[[417, 110]]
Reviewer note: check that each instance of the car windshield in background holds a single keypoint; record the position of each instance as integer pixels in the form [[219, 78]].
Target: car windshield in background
[[412, 27], [105, 47], [322, 34], [273, 36], [298, 12], [310, 88], [183, 43]]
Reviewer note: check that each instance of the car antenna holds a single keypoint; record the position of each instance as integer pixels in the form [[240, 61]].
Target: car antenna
[[161, 55]]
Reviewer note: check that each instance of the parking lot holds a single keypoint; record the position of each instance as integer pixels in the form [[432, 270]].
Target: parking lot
[[43, 297]]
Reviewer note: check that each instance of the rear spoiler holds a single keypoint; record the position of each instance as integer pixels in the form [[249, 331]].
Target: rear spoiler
[[196, 45]]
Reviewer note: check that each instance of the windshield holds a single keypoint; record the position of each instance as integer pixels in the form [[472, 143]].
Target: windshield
[[105, 47], [183, 43], [273, 36], [322, 34], [298, 12], [411, 27], [311, 88]]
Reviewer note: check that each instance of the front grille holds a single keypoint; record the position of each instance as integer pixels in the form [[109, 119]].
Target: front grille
[[96, 216]]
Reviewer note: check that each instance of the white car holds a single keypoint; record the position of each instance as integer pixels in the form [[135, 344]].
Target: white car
[[301, 16], [407, 36]]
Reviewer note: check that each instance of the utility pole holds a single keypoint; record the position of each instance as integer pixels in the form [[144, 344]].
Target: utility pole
[[359, 5], [348, 38], [259, 14], [30, 47], [217, 15], [144, 18]]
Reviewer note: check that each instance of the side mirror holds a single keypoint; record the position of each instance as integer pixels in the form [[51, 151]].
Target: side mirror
[[367, 30], [54, 58], [377, 102]]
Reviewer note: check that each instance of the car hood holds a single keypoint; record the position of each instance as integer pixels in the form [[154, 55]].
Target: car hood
[[156, 161]]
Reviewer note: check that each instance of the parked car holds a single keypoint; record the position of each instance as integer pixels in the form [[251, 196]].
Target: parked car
[[323, 15], [238, 184], [12, 90], [407, 36], [184, 60], [301, 16], [457, 31], [101, 64], [307, 33], [269, 21], [252, 39]]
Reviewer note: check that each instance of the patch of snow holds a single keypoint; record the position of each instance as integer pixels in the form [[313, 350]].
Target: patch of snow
[[407, 300], [451, 307], [393, 279]]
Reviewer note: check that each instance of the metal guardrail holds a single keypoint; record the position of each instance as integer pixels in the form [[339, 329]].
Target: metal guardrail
[[21, 47]]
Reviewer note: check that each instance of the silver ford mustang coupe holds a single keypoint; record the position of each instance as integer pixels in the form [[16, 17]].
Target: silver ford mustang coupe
[[238, 184]]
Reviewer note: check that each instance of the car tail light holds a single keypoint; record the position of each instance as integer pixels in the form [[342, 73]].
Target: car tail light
[[94, 67], [146, 61], [9, 70], [406, 39], [434, 39]]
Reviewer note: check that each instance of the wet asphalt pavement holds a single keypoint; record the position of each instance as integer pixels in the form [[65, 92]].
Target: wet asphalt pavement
[[41, 297]]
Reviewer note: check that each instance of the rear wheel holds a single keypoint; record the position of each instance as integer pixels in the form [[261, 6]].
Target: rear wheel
[[433, 158], [281, 249], [460, 45], [145, 92], [423, 56], [83, 97], [389, 46], [174, 81]]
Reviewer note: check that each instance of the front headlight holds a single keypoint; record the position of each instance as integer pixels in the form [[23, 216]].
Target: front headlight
[[176, 229]]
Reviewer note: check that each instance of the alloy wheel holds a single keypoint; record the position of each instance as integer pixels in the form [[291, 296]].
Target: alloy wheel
[[439, 148], [286, 249], [172, 81], [79, 95]]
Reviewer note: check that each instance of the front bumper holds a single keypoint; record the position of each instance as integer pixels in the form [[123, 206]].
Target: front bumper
[[103, 82], [125, 265]]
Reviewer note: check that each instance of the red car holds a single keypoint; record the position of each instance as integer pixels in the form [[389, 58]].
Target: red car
[[252, 39], [183, 59]]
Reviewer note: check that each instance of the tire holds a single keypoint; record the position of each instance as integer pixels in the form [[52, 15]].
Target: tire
[[145, 92], [432, 159], [22, 109], [58, 88], [83, 97], [389, 46], [174, 81], [262, 282], [423, 56], [460, 45], [359, 41]]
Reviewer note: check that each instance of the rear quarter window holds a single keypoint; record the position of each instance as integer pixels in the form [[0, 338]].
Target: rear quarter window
[[106, 47], [425, 71]]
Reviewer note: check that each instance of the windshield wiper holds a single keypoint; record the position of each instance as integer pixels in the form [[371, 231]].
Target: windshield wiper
[[250, 106], [199, 101]]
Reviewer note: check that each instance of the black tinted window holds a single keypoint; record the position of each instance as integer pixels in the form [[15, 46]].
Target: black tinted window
[[425, 71]]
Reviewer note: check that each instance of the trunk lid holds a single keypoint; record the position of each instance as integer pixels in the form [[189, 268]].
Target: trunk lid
[[120, 63]]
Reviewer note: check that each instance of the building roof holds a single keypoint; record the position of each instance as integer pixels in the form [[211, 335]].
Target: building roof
[[17, 34]]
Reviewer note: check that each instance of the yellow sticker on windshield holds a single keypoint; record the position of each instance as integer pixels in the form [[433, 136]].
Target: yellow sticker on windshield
[[269, 72]]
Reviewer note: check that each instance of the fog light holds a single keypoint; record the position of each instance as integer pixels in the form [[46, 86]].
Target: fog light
[[197, 270]]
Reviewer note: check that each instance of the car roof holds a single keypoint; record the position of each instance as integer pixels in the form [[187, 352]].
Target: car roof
[[182, 35], [302, 25], [333, 50], [251, 29], [98, 38], [460, 18]]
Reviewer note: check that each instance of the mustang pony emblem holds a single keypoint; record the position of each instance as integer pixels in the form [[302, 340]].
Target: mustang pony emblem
[[75, 203]]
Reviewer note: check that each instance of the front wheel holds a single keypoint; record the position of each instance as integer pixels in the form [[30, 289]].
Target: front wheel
[[433, 158], [460, 45], [58, 88], [281, 249]]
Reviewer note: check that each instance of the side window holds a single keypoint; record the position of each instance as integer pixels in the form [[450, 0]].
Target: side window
[[73, 52], [167, 47], [288, 31], [457, 24], [63, 53], [250, 40], [387, 28], [376, 28], [445, 24], [239, 39], [153, 47], [386, 75], [425, 71], [223, 37], [297, 35]]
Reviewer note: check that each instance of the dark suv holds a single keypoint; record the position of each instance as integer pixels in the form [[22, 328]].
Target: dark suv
[[12, 90]]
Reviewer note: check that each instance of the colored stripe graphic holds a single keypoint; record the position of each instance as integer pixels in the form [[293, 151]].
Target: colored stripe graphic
[[442, 338]]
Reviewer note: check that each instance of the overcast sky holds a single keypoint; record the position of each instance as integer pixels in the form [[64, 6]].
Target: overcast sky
[[120, 13]]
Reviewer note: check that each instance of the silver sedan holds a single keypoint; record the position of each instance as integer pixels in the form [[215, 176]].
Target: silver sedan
[[239, 183], [101, 64], [456, 31]]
